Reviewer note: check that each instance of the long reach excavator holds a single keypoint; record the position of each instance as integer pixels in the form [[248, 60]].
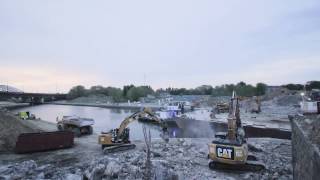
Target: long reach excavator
[[118, 139], [229, 150]]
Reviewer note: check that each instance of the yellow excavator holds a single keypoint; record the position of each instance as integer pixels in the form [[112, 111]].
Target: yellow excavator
[[229, 150], [118, 139]]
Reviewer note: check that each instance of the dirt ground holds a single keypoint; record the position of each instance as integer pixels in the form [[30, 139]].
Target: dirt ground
[[180, 158]]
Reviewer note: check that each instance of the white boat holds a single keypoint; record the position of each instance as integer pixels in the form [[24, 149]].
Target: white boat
[[179, 106]]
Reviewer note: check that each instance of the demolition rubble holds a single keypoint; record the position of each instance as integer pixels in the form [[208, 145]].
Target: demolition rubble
[[177, 159]]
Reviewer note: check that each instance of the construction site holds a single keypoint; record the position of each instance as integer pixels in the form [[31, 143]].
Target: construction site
[[159, 90], [222, 138]]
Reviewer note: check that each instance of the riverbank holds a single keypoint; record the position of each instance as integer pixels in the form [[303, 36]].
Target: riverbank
[[12, 105], [110, 106]]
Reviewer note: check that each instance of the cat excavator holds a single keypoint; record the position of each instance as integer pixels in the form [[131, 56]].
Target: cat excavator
[[118, 139], [229, 150]]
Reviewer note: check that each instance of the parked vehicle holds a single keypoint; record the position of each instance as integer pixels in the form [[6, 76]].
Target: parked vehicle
[[26, 115], [77, 125]]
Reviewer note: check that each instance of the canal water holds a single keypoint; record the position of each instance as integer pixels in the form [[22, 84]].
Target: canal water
[[105, 119], [199, 126]]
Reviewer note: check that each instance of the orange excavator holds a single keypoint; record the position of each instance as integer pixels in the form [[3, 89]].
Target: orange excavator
[[118, 139]]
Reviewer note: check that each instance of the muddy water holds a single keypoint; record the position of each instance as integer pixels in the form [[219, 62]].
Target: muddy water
[[105, 119]]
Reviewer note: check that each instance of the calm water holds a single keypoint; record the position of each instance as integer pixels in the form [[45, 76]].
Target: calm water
[[105, 119]]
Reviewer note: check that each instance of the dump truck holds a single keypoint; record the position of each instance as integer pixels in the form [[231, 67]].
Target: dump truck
[[229, 150], [119, 139], [79, 126]]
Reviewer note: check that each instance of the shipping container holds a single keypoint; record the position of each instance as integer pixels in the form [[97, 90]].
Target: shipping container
[[44, 141]]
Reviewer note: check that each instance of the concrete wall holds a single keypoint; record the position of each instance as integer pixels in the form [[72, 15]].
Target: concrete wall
[[305, 155]]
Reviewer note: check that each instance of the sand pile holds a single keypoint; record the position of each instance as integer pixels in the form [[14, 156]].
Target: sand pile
[[10, 128]]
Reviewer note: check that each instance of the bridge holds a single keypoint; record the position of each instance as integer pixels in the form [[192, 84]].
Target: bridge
[[32, 98]]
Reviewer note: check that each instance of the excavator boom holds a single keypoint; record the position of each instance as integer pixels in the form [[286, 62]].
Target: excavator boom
[[124, 124]]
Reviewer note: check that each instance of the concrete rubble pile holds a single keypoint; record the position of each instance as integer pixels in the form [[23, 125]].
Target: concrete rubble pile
[[31, 170], [288, 100], [178, 159]]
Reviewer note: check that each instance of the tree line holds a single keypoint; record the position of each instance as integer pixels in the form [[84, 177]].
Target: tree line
[[134, 93], [130, 92], [241, 88], [309, 86]]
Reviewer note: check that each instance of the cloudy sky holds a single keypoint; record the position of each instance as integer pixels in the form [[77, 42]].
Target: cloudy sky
[[53, 45]]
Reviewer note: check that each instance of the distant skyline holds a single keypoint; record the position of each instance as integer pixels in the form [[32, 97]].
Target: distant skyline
[[50, 46]]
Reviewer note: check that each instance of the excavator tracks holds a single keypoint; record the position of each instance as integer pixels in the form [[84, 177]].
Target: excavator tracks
[[118, 148], [252, 166]]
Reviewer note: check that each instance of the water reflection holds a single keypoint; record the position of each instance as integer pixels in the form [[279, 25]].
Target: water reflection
[[106, 119]]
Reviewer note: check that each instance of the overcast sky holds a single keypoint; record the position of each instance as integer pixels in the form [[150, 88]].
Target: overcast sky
[[53, 45]]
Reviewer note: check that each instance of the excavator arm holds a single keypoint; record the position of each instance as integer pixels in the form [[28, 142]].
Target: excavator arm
[[234, 121], [118, 139], [146, 111]]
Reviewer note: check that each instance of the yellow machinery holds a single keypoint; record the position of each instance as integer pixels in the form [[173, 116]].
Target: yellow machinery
[[24, 115], [230, 150], [221, 108], [118, 139]]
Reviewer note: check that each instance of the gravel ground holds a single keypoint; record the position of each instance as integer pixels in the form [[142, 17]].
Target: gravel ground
[[178, 159]]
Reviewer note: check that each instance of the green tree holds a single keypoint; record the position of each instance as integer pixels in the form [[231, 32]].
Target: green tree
[[115, 93], [77, 91], [135, 93], [261, 89], [97, 90], [204, 90], [296, 87], [313, 85], [126, 89]]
